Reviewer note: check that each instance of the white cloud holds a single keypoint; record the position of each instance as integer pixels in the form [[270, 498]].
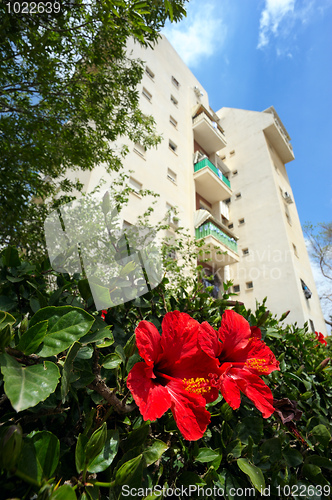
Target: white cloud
[[199, 35], [281, 19], [274, 13]]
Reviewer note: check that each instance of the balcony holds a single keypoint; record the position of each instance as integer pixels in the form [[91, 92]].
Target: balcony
[[211, 182], [278, 137], [207, 132], [216, 241]]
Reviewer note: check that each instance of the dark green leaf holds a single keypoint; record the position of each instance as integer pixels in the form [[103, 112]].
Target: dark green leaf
[[206, 455], [67, 369], [32, 338], [254, 473], [65, 492], [107, 454], [27, 386], [66, 324]]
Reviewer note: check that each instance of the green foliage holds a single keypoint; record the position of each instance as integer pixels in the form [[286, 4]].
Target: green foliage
[[69, 427], [68, 90]]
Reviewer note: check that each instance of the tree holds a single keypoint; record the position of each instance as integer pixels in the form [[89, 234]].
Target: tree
[[67, 91], [320, 238]]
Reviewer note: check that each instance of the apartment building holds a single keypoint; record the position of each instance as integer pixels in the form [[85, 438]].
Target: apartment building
[[225, 173]]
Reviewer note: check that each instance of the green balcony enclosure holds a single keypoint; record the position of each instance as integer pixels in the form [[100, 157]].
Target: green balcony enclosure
[[207, 163], [210, 229]]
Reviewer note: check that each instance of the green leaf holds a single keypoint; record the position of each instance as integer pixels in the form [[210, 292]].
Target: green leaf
[[154, 452], [10, 257], [111, 361], [320, 461], [66, 324], [206, 455], [80, 452], [127, 470], [32, 338], [6, 303], [40, 455], [96, 443], [6, 319], [254, 473], [67, 369], [272, 449], [65, 492], [321, 434], [107, 454], [27, 386], [293, 457], [5, 337], [250, 426]]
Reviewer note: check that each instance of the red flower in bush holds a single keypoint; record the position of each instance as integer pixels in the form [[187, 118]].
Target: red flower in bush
[[174, 374], [320, 337], [243, 357]]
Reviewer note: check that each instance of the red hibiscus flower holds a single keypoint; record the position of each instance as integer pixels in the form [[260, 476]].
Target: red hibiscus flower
[[174, 374], [243, 357], [320, 337], [103, 314]]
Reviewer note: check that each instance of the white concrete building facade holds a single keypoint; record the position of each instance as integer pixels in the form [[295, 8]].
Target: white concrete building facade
[[225, 173]]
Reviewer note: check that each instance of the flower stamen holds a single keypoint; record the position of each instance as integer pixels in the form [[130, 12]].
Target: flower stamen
[[197, 385]]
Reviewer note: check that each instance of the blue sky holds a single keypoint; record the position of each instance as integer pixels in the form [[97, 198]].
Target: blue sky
[[253, 54]]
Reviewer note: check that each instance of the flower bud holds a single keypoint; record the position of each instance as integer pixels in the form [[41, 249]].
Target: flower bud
[[322, 365]]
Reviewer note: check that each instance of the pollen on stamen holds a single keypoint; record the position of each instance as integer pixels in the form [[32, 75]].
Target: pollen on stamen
[[197, 385], [258, 364]]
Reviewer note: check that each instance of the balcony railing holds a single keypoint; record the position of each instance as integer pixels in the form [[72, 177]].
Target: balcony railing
[[207, 163], [210, 229]]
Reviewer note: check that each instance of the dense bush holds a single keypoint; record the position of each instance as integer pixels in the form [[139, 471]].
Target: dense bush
[[69, 425]]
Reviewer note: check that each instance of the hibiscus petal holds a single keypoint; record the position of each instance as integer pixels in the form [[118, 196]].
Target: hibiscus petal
[[189, 411], [256, 390], [208, 339], [230, 391], [260, 358], [256, 332], [151, 397], [179, 338], [148, 341], [234, 333]]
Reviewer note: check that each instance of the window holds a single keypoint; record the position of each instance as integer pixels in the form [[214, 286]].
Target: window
[[135, 185], [140, 150], [235, 172], [172, 146], [245, 251], [173, 219], [227, 201], [147, 94], [295, 250], [232, 153], [174, 101], [171, 175], [312, 326], [288, 217], [173, 121], [175, 82], [223, 158], [238, 195], [306, 291], [149, 72], [236, 288], [231, 225], [249, 285], [241, 221]]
